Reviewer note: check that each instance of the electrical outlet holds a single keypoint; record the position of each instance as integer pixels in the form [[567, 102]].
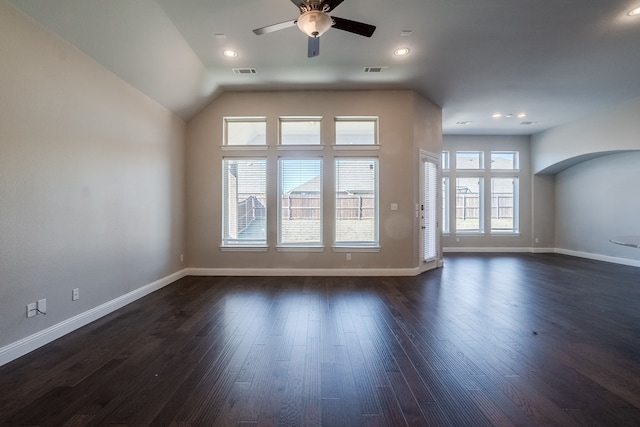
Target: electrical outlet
[[42, 306], [537, 240], [31, 309], [181, 257], [75, 294], [348, 257]]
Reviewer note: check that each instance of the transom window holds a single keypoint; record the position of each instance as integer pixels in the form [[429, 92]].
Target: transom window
[[356, 131], [469, 160], [504, 160], [245, 131], [300, 130]]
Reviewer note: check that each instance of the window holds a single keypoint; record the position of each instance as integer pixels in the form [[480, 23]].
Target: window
[[469, 202], [504, 160], [445, 160], [504, 203], [429, 211], [244, 202], [469, 160], [486, 198], [445, 206], [300, 130], [356, 131], [356, 202], [300, 202], [245, 131]]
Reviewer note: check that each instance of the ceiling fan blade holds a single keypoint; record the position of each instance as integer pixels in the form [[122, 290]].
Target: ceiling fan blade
[[313, 47], [298, 3], [274, 27], [353, 26], [332, 4]]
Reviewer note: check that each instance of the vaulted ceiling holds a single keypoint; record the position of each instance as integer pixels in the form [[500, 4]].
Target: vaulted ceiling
[[555, 61]]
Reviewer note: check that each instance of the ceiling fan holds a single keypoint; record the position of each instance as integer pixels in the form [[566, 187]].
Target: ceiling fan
[[314, 21]]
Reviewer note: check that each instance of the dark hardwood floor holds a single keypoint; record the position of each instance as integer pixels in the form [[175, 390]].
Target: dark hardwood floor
[[496, 339]]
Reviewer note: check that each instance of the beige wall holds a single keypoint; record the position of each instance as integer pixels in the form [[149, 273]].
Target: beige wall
[[91, 181], [400, 114]]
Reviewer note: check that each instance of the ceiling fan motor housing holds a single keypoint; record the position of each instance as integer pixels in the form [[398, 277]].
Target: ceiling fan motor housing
[[314, 23]]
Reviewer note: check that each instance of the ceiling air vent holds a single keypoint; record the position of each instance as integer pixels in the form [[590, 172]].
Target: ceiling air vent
[[244, 70], [375, 69]]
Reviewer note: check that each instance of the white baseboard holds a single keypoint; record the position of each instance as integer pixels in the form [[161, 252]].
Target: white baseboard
[[20, 348], [598, 257], [303, 271], [543, 250], [485, 250]]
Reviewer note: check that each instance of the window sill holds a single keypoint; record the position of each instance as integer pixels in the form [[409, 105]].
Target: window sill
[[355, 248], [244, 248], [354, 147], [244, 147], [300, 147], [300, 248]]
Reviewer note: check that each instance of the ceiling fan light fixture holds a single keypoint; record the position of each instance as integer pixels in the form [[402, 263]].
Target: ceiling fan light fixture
[[634, 12], [314, 23]]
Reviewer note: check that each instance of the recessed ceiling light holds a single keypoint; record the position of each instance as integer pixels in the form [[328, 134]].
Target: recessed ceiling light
[[522, 115], [497, 115], [634, 12], [401, 51], [230, 53], [509, 115]]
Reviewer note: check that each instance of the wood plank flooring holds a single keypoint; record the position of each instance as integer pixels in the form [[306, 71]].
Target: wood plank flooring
[[488, 340]]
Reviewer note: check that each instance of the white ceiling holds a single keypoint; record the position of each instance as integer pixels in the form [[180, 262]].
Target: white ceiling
[[556, 60]]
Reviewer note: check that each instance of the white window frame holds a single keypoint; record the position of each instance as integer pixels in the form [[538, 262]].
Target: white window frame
[[516, 160], [311, 245], [358, 244], [481, 204], [516, 203], [369, 119], [236, 120], [480, 160], [446, 205], [292, 119], [229, 242]]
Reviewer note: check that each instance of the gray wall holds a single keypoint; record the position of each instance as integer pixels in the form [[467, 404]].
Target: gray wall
[[616, 129], [91, 181], [596, 166], [596, 200], [407, 123]]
